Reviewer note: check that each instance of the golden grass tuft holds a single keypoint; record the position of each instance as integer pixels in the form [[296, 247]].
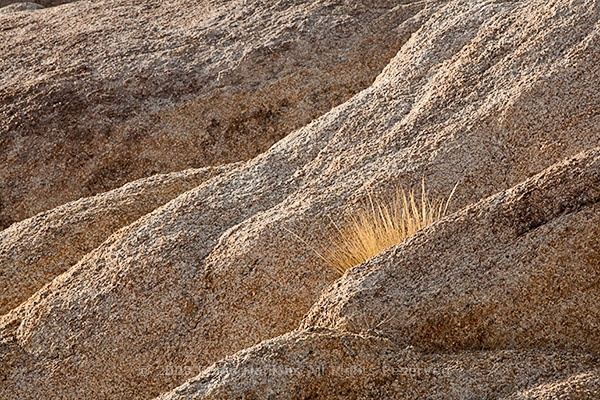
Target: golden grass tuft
[[378, 225]]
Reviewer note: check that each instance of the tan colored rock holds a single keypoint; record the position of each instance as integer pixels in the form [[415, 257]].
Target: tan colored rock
[[484, 93], [34, 251], [18, 5], [474, 306], [582, 386], [322, 364], [96, 94], [518, 270]]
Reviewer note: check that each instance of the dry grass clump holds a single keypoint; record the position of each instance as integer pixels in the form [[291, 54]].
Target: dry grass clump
[[380, 224]]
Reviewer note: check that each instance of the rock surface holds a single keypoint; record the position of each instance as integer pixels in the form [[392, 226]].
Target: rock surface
[[474, 306], [11, 8], [484, 93], [331, 365], [34, 251], [519, 270], [96, 94]]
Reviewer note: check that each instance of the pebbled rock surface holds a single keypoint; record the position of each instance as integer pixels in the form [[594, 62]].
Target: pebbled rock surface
[[34, 251], [14, 7], [96, 94], [498, 300], [327, 364], [519, 270], [484, 93]]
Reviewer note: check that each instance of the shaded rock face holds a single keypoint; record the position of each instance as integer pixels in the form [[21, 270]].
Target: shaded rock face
[[584, 386], [487, 94], [27, 6], [16, 5], [96, 94]]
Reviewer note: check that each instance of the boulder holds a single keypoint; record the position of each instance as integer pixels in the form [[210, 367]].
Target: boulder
[[518, 270], [95, 94], [487, 94], [325, 364], [498, 300], [34, 251]]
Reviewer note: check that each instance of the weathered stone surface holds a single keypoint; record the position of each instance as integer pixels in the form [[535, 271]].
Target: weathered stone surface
[[331, 365], [515, 275], [96, 94], [583, 386], [484, 93], [518, 270], [25, 6], [34, 251]]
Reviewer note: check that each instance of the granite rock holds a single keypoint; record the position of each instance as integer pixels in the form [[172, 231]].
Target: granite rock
[[94, 94], [497, 96], [36, 250]]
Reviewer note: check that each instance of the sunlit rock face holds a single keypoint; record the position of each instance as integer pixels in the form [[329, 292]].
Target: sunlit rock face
[[212, 288], [94, 94]]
